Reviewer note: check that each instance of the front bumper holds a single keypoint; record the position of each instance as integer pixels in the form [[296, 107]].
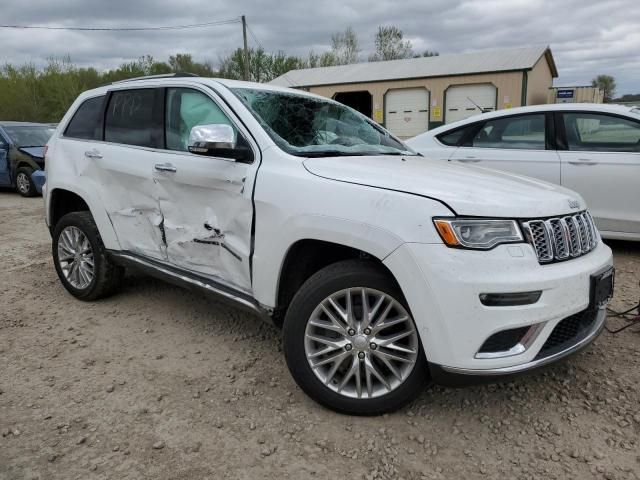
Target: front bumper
[[452, 376], [442, 287], [38, 178]]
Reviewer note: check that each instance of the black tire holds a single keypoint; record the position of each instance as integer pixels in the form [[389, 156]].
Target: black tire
[[26, 188], [331, 279], [107, 276]]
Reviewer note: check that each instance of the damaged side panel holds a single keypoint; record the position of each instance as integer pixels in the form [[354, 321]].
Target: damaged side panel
[[208, 212], [130, 196]]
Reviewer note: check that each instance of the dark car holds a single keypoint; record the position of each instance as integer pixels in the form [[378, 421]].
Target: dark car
[[22, 155]]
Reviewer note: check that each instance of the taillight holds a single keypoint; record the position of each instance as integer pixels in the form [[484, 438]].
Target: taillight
[[44, 154]]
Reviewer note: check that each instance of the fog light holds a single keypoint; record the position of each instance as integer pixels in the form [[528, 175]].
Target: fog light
[[510, 299]]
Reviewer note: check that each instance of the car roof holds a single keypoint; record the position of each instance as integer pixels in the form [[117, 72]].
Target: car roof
[[551, 107], [194, 80]]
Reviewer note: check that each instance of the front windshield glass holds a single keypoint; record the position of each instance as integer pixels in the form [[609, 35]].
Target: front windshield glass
[[30, 136], [307, 126]]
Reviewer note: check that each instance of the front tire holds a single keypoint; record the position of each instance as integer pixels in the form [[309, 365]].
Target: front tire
[[350, 341], [24, 184], [80, 258]]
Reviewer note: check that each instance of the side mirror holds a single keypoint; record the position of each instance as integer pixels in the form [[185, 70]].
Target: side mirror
[[217, 140]]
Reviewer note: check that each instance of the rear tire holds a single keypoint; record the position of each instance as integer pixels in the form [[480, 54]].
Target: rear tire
[[24, 184], [80, 258], [361, 348]]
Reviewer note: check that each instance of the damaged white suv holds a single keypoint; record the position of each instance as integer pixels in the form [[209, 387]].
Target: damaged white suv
[[385, 270]]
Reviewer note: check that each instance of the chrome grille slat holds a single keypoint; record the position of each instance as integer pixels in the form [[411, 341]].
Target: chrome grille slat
[[558, 239]]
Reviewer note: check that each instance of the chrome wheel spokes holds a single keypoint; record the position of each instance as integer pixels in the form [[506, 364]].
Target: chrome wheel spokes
[[75, 257], [361, 343], [23, 183]]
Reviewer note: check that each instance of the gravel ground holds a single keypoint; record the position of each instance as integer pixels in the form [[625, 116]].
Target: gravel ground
[[161, 383]]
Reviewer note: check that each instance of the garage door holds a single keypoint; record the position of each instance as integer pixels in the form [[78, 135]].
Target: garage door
[[462, 101], [407, 111]]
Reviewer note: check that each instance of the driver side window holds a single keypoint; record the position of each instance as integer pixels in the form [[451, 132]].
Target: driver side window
[[185, 109]]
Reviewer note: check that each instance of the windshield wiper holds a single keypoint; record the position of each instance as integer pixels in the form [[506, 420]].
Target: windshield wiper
[[332, 153]]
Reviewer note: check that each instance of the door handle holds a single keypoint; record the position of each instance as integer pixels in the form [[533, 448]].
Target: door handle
[[92, 154], [469, 159], [165, 167], [582, 161]]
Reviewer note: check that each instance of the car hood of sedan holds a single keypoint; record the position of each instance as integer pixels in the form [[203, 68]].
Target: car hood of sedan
[[471, 191]]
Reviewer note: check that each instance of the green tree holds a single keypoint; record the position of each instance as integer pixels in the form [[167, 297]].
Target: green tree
[[263, 66], [607, 84], [390, 45]]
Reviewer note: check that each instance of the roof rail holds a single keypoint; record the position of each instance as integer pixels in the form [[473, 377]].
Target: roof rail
[[151, 77]]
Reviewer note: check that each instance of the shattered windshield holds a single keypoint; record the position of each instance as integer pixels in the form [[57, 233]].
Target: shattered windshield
[[307, 126], [31, 136]]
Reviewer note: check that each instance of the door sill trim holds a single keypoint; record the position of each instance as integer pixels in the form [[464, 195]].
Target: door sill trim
[[186, 279]]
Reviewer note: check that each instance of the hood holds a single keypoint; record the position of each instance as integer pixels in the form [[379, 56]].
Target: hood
[[35, 152], [471, 191]]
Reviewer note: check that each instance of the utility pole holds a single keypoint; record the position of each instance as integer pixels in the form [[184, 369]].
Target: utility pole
[[246, 49]]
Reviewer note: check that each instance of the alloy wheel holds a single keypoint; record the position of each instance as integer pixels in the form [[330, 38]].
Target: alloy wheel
[[23, 183], [75, 257], [361, 343]]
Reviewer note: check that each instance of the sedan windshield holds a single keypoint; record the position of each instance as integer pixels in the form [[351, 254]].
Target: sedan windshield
[[308, 126], [30, 136]]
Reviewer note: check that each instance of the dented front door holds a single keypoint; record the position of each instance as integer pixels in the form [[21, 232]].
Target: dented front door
[[206, 202]]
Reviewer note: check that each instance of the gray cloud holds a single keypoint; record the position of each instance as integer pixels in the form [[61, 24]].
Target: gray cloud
[[587, 37]]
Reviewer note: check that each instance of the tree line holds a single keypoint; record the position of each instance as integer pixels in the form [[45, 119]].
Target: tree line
[[29, 93]]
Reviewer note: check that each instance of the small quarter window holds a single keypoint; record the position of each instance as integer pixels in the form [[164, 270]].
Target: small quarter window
[[85, 123], [452, 139]]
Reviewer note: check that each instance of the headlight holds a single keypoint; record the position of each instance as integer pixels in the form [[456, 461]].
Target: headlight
[[477, 233]]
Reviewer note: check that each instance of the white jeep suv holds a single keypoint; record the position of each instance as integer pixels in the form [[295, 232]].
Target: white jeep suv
[[384, 270]]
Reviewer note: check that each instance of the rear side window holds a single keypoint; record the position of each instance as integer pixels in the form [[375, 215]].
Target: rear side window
[[85, 123], [524, 132], [601, 133], [129, 118]]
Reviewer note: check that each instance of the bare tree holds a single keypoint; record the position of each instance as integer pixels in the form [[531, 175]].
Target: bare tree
[[345, 47], [390, 45]]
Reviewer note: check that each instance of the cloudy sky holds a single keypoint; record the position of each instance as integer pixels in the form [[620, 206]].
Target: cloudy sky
[[587, 37]]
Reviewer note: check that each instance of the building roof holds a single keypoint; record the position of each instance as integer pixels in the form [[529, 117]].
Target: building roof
[[441, 66]]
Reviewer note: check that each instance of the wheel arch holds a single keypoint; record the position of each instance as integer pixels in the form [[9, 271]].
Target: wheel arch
[[307, 256], [63, 200]]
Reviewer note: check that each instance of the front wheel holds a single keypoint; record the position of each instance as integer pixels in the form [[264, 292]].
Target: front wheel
[[24, 184], [351, 343]]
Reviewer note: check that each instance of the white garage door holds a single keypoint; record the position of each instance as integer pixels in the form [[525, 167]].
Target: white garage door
[[462, 101], [407, 111]]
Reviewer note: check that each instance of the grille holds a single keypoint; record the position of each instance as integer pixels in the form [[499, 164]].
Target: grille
[[568, 332], [562, 238]]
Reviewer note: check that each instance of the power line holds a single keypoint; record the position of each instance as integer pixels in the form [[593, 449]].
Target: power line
[[253, 35], [125, 29]]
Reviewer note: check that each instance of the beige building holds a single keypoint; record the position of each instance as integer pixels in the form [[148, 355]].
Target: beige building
[[413, 95], [581, 94]]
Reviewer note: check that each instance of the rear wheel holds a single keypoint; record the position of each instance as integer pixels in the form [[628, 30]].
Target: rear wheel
[[351, 342], [24, 184], [80, 258]]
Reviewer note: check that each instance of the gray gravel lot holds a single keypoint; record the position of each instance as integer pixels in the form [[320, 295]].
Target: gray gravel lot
[[157, 382]]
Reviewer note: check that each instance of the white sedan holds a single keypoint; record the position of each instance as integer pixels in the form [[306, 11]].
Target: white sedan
[[593, 149]]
